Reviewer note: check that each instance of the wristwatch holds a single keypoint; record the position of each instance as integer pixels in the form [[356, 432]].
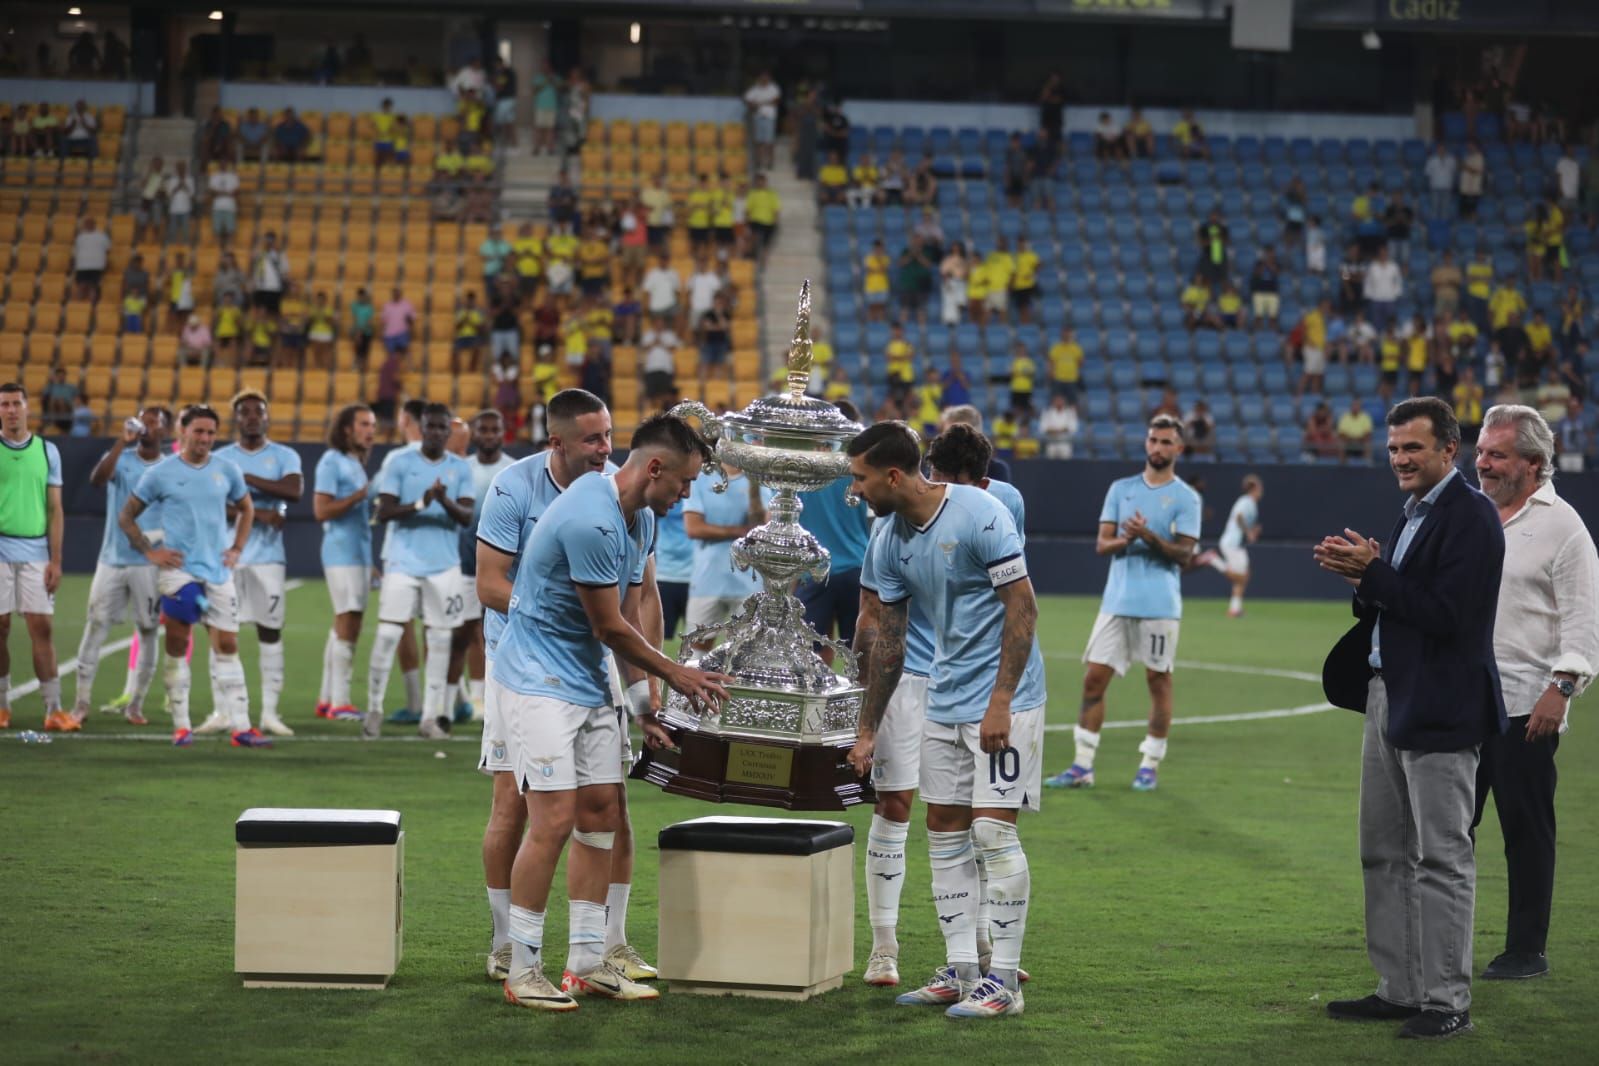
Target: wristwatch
[[1563, 686]]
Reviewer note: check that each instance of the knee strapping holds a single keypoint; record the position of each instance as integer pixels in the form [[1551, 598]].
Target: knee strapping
[[1000, 847], [599, 841], [438, 642], [947, 850]]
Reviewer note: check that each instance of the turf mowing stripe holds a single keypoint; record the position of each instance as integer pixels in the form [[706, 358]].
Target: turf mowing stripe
[[1209, 719], [1220, 668], [121, 644]]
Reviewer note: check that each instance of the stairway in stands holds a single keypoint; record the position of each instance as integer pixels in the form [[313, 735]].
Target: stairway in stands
[[795, 256], [170, 139], [528, 179]]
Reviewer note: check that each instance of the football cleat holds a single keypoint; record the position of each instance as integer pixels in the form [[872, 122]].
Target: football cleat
[[5, 718], [434, 729], [945, 989], [346, 713], [182, 738], [324, 710], [276, 726], [250, 738], [216, 722], [405, 716], [134, 714], [117, 706], [1073, 776], [499, 965], [882, 969], [1144, 779], [371, 725], [625, 958], [606, 981], [1235, 612], [533, 990], [61, 722], [990, 999], [463, 711]]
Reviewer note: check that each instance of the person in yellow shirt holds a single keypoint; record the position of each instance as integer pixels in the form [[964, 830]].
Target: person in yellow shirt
[[1313, 347], [863, 183], [292, 315], [594, 264], [1479, 286], [1230, 307], [383, 132], [1139, 135], [599, 321], [562, 244], [838, 384], [469, 331], [1540, 338], [1417, 350], [526, 250], [448, 164], [1190, 137], [874, 272], [321, 330], [762, 208], [1534, 242], [1023, 372], [977, 289], [1065, 365], [1196, 303], [1024, 282], [701, 202], [1467, 396], [1552, 231], [722, 221], [230, 327], [821, 361], [1001, 268], [472, 113], [1505, 301], [658, 207], [1006, 429], [479, 164], [901, 364], [263, 332], [546, 375], [832, 180], [576, 339], [1462, 334], [929, 396], [402, 140], [1389, 360]]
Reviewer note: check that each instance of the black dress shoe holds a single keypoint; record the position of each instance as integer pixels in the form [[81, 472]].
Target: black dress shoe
[[1517, 966], [1372, 1008], [1436, 1025]]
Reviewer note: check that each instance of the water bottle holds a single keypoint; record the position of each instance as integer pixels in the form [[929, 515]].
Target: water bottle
[[31, 737], [133, 425]]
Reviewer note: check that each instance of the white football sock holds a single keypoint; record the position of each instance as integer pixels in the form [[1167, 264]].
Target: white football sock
[[50, 692], [384, 645], [271, 678], [94, 633], [452, 689], [325, 693], [585, 943], [500, 911], [1009, 885], [955, 895], [1154, 750], [616, 897], [985, 946], [1235, 603], [343, 682], [438, 665], [474, 692], [885, 879], [1087, 747], [143, 673], [413, 690], [233, 699], [177, 677], [525, 929]]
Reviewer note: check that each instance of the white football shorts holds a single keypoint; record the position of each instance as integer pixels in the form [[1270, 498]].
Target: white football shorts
[[471, 606], [1235, 558], [897, 756], [122, 591], [262, 588], [348, 588], [22, 589], [222, 601], [1117, 640], [957, 772], [436, 597], [554, 746]]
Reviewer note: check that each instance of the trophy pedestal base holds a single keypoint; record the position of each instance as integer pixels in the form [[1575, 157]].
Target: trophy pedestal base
[[715, 988], [764, 773]]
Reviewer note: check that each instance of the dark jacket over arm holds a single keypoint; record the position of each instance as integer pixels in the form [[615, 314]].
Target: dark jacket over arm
[[1437, 609]]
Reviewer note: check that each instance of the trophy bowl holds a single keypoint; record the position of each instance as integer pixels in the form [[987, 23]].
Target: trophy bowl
[[781, 737]]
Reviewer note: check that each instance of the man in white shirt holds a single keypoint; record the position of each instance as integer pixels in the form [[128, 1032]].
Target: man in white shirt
[[1568, 176], [1473, 168], [469, 79], [90, 251], [702, 289], [1546, 643], [180, 203], [660, 364], [82, 129], [269, 269], [1231, 557], [661, 287], [1384, 285], [761, 101], [1440, 172], [152, 192], [1058, 425], [223, 185]]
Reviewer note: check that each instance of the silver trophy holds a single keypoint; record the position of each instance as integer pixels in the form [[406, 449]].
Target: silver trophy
[[781, 736]]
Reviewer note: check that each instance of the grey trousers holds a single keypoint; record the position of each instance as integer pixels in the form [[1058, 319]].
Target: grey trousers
[[1419, 868]]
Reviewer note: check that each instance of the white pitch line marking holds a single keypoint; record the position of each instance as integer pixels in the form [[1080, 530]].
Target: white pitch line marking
[[1220, 668]]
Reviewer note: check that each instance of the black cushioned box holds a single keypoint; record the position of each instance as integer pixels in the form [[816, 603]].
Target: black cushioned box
[[297, 825], [756, 836]]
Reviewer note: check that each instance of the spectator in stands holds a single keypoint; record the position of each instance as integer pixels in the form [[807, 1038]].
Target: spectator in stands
[[222, 186], [660, 345], [1229, 308], [1195, 301], [178, 286], [1479, 286], [1573, 310], [470, 80], [1190, 137], [1168, 405], [928, 396], [290, 136], [60, 397], [1389, 360], [401, 141], [1059, 426], [727, 218], [1398, 218], [1567, 179], [1357, 336], [1199, 429], [1024, 281], [230, 327], [1264, 300], [575, 116], [913, 280], [135, 278], [563, 199], [703, 286], [957, 387], [84, 419], [390, 386], [263, 337], [834, 128], [1446, 281], [1354, 432], [1382, 287], [892, 179], [83, 57], [1139, 136], [382, 121], [81, 132], [1363, 220], [1505, 301], [761, 102], [508, 391], [194, 342], [1351, 281], [1006, 430], [595, 373], [1467, 399], [322, 330], [1023, 374], [952, 272], [46, 130], [930, 231], [999, 268], [1016, 170], [1553, 395], [16, 129], [546, 108], [1473, 171], [977, 287], [1315, 247], [505, 109], [662, 286], [470, 329], [493, 252], [1440, 173], [923, 187], [900, 359], [658, 203], [1418, 349], [763, 208], [135, 305], [838, 385], [1214, 249], [560, 251], [1294, 211], [633, 241], [875, 281], [714, 331], [1065, 366], [216, 137], [255, 136], [1109, 140], [269, 273], [1313, 347], [180, 195], [91, 251], [149, 220], [1052, 107], [1320, 439], [293, 325], [229, 280], [1552, 232], [398, 318], [1043, 165], [505, 330]]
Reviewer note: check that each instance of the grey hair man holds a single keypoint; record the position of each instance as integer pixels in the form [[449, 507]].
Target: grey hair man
[[1546, 641]]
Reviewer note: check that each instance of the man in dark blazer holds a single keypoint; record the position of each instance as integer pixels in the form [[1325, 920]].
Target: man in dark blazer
[[1420, 664]]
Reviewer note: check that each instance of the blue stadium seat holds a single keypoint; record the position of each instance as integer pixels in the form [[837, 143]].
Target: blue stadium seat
[[1130, 406], [1213, 379]]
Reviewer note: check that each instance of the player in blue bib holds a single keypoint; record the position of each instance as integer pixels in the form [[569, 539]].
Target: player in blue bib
[[1231, 557], [275, 478], [124, 581], [578, 591], [486, 460], [193, 491], [580, 443], [674, 568], [833, 518], [342, 501], [955, 549], [713, 521], [1149, 526], [426, 495]]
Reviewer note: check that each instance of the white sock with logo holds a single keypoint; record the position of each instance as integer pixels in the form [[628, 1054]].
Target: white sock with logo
[[343, 673], [413, 690], [233, 699], [955, 896], [177, 677], [437, 642], [50, 692], [94, 633], [384, 645], [585, 944], [325, 694], [144, 671], [525, 929], [1087, 747], [1235, 603], [616, 897], [1009, 887], [885, 880]]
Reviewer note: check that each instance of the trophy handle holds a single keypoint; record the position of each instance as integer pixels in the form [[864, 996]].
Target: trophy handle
[[711, 430]]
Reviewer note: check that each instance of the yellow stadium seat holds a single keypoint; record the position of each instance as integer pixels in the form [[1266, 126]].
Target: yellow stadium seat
[[621, 131], [35, 375], [732, 135], [159, 385], [285, 390], [13, 348], [746, 334], [47, 317], [163, 352], [103, 351], [98, 382], [347, 387], [705, 136], [314, 385], [339, 125], [677, 136], [649, 133]]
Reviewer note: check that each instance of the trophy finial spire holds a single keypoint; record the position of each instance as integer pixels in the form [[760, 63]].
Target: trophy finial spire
[[799, 350]]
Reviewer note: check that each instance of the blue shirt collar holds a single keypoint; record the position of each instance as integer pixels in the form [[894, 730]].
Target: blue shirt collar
[[1432, 495]]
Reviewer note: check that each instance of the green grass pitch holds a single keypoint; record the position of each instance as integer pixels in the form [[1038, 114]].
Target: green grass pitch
[[1205, 922]]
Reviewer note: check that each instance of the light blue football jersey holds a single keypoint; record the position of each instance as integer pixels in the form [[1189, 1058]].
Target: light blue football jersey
[[1011, 497], [425, 542], [114, 547], [518, 497], [346, 540], [548, 647], [1143, 583], [674, 552], [842, 529], [270, 461], [483, 475], [918, 630], [194, 510], [714, 574], [953, 565]]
